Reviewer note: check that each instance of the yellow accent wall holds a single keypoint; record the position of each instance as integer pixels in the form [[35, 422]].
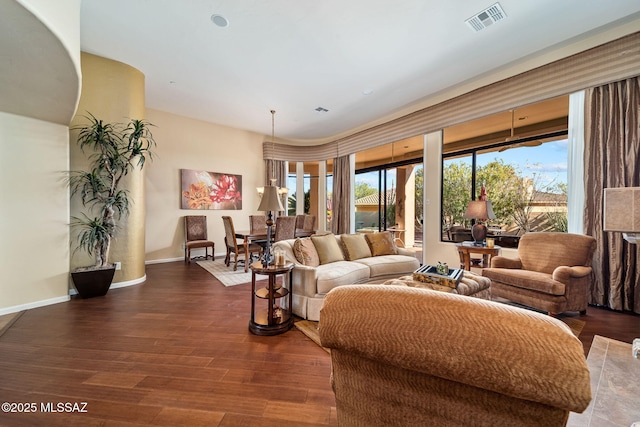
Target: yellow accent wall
[[113, 92]]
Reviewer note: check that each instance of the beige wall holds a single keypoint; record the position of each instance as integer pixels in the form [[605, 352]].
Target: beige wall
[[34, 213], [185, 143], [34, 200]]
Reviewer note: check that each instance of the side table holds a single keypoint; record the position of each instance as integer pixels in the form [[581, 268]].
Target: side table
[[270, 307], [465, 251], [615, 386]]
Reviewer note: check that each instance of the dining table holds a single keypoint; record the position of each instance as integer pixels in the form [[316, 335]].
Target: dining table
[[249, 236]]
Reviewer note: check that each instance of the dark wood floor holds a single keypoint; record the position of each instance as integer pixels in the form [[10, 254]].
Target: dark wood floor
[[176, 351]]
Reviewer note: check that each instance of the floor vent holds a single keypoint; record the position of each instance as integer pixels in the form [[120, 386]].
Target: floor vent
[[486, 18]]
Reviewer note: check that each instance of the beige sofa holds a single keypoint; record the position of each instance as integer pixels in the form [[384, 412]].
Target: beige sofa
[[405, 356], [341, 260]]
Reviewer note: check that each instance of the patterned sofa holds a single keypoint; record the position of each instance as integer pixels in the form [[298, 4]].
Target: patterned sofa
[[405, 356], [324, 262]]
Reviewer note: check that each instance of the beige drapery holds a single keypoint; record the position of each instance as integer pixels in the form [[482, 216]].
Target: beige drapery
[[612, 159], [341, 195], [276, 169]]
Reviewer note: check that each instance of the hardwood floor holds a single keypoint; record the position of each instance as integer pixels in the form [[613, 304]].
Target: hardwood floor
[[176, 350]]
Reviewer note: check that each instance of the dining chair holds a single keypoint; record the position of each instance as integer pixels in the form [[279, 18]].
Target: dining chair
[[285, 228], [195, 236], [257, 222], [305, 225], [234, 246]]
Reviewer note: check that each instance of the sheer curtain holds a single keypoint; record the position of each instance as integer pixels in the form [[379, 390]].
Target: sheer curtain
[[612, 159], [575, 170], [341, 197]]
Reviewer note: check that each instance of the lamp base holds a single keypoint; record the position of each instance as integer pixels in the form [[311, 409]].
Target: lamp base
[[267, 256], [479, 233]]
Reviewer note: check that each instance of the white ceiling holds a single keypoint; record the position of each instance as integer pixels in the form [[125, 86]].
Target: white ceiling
[[296, 55]]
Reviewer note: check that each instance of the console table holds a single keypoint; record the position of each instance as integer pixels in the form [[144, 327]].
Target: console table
[[270, 307], [615, 386]]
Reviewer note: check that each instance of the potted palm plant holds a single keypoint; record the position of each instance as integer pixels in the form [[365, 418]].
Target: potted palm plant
[[116, 149]]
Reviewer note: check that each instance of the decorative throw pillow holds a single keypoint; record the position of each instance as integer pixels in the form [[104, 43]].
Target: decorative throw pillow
[[381, 243], [328, 248], [355, 246], [305, 252]]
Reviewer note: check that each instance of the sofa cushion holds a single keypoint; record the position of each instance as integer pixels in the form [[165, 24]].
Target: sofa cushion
[[340, 273], [384, 265], [305, 252], [381, 243], [525, 279], [355, 246], [328, 248]]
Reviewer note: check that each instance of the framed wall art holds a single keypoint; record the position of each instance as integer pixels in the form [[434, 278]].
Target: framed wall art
[[202, 190]]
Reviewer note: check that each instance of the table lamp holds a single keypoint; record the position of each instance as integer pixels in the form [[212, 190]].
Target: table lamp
[[622, 212], [480, 210], [270, 202]]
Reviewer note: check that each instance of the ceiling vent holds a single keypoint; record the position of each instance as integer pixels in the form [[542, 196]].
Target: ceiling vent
[[486, 18]]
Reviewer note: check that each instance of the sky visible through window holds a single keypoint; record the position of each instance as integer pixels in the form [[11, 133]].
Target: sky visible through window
[[548, 162]]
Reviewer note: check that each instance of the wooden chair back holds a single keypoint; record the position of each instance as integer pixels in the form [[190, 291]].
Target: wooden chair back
[[229, 233]]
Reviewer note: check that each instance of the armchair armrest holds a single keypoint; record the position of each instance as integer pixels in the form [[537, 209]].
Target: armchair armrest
[[564, 274], [504, 262]]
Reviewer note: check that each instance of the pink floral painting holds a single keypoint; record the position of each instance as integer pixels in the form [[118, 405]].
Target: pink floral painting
[[210, 190]]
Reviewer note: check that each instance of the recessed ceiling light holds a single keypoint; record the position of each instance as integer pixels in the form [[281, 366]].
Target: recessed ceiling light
[[367, 91], [220, 21]]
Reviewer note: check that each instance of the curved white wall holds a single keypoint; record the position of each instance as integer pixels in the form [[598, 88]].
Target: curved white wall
[[41, 78], [39, 90]]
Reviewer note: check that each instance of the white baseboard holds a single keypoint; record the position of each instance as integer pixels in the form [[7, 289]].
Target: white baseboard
[[162, 261], [35, 304]]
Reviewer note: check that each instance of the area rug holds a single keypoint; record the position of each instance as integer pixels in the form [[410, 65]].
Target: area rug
[[225, 274], [310, 329], [7, 320], [576, 325]]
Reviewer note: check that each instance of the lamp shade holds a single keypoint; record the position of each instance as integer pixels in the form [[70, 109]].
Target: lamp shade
[[270, 200], [479, 209], [622, 212]]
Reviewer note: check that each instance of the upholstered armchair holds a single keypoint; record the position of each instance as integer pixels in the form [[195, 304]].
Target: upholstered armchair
[[552, 272], [415, 357]]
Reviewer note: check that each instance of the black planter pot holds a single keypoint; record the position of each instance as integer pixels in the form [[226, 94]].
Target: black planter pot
[[93, 283]]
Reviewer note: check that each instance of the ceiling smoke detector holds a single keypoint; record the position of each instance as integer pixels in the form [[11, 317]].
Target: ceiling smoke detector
[[487, 17]]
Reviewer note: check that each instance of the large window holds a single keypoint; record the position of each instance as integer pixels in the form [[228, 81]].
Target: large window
[[389, 188], [524, 177]]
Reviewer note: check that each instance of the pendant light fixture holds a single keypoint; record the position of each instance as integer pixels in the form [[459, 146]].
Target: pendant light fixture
[[270, 200]]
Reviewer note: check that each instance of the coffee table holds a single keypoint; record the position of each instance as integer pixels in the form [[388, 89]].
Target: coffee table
[[615, 386], [471, 284]]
